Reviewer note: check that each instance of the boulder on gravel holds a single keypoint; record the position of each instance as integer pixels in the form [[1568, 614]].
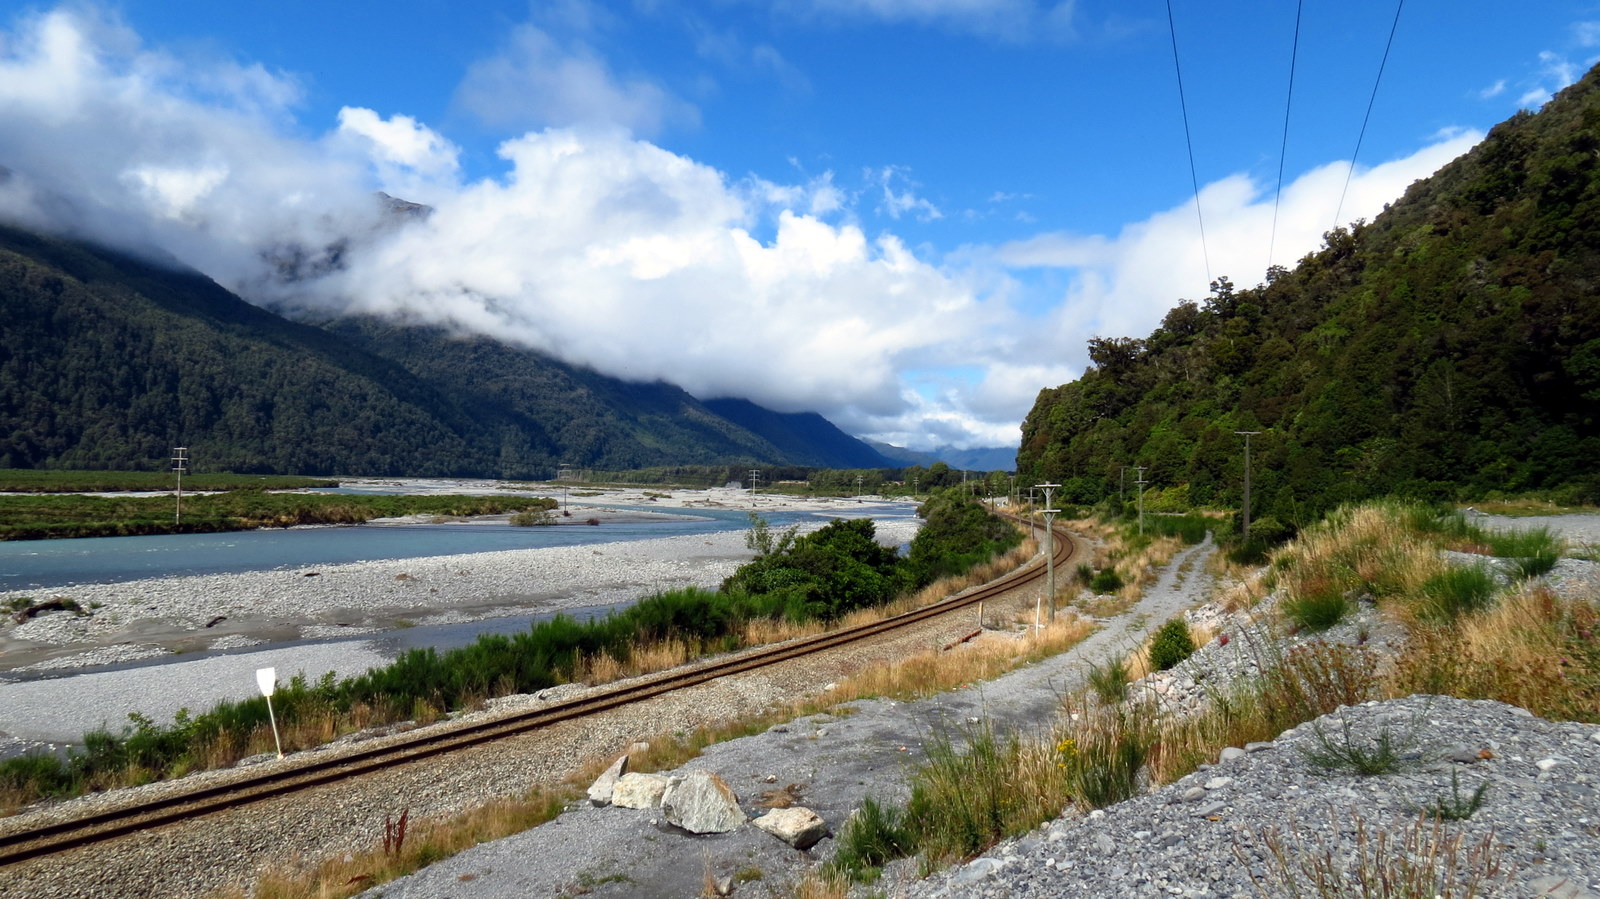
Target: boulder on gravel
[[702, 803], [600, 790], [796, 825], [635, 790]]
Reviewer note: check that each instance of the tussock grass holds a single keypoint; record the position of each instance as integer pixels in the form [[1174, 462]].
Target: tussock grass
[[1531, 649]]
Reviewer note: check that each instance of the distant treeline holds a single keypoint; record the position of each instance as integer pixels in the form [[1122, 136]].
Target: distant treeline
[[30, 480]]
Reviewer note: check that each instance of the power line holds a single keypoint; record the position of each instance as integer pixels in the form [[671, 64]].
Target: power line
[[1188, 141], [1339, 211], [1283, 153]]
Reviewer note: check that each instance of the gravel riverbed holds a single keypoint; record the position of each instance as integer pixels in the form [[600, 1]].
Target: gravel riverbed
[[166, 619]]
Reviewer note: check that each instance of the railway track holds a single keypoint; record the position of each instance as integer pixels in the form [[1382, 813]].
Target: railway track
[[65, 836]]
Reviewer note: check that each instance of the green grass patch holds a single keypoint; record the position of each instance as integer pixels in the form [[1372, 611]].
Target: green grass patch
[[1456, 591], [1316, 610], [1532, 552], [37, 516], [28, 480]]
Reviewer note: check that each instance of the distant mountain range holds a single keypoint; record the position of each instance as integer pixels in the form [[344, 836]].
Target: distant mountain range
[[108, 362], [983, 458]]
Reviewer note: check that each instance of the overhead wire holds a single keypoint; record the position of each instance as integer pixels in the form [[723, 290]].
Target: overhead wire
[[1188, 140], [1283, 153], [1339, 210]]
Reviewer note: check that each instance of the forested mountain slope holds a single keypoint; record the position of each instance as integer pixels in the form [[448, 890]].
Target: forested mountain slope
[[1448, 349], [108, 362], [803, 437]]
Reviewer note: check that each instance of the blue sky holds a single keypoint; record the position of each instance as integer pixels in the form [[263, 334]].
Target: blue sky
[[908, 215]]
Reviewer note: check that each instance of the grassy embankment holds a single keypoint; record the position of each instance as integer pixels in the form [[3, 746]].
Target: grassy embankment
[[1468, 637], [820, 577], [35, 517]]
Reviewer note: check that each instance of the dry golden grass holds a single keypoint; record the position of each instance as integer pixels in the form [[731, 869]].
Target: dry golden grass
[[647, 659], [1365, 549], [425, 843], [984, 658], [822, 884], [1532, 650]]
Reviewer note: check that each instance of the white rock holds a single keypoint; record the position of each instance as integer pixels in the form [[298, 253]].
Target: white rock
[[1547, 764], [1217, 783], [600, 790], [798, 826], [1231, 753], [635, 790], [702, 803]]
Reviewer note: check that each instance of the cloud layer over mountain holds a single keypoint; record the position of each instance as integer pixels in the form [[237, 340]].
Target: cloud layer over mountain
[[603, 247]]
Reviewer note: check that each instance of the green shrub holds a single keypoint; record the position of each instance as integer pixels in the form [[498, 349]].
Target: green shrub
[[1317, 610], [38, 775], [1172, 644], [874, 836], [1456, 591], [1106, 580], [1084, 573], [1191, 529]]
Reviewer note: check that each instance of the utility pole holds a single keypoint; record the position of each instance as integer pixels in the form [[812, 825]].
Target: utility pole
[[1049, 553], [563, 475], [180, 461], [755, 485], [1122, 491], [1246, 435], [858, 488], [1140, 482]]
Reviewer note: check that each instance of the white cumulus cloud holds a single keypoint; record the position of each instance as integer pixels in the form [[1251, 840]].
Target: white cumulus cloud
[[538, 81], [1123, 285]]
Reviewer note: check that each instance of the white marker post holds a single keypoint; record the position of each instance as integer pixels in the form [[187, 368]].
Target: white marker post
[[267, 680]]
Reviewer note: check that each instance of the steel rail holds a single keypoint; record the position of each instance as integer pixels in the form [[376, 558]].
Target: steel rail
[[76, 833]]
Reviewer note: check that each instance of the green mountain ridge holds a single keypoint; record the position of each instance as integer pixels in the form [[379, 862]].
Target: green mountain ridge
[[108, 361], [1448, 349]]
